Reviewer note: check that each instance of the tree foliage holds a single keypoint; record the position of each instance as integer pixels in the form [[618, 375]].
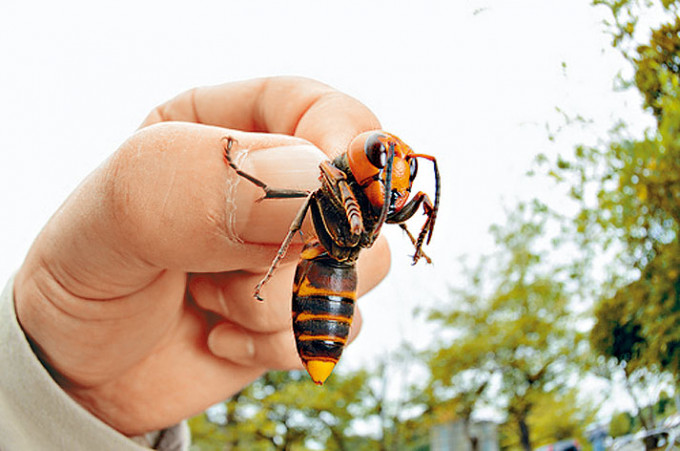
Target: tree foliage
[[286, 411], [658, 68], [559, 416], [635, 208], [625, 18], [621, 424], [628, 192], [515, 337]]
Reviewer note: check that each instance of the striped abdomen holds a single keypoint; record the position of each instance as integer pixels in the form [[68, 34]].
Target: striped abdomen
[[324, 293]]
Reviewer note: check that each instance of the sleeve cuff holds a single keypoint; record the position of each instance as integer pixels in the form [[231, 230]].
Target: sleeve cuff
[[35, 413]]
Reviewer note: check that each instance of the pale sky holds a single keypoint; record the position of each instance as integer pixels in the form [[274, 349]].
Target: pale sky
[[473, 82]]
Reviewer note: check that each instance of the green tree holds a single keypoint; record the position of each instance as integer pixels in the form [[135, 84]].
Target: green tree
[[634, 213], [621, 424], [633, 216], [665, 405], [658, 67], [559, 416], [399, 401], [617, 335], [514, 336], [286, 411]]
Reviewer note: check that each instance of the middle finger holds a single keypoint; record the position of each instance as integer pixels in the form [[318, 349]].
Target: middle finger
[[230, 295]]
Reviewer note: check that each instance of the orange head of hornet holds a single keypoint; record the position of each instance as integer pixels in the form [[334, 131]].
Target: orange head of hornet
[[368, 163]]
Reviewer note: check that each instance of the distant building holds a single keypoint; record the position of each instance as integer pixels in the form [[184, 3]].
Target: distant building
[[451, 436]]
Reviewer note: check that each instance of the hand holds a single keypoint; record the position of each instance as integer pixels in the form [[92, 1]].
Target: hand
[[137, 295]]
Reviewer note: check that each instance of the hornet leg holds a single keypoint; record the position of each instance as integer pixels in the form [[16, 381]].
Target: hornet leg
[[407, 212], [294, 227], [269, 193], [419, 251]]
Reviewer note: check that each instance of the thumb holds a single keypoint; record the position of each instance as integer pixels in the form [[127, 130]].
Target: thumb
[[166, 200]]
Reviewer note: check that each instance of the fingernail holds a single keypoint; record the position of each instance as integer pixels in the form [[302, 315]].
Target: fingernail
[[222, 302], [294, 167], [250, 347], [231, 342]]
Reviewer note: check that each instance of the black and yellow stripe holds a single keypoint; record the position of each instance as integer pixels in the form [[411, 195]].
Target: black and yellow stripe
[[324, 294]]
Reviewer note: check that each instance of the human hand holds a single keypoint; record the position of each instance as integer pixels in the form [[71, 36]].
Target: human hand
[[137, 294]]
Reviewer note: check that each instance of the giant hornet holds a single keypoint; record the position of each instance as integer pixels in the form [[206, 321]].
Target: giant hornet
[[361, 189]]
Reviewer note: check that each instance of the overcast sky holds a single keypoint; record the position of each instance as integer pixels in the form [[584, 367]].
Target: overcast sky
[[474, 82]]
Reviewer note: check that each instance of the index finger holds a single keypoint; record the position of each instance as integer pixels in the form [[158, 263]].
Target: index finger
[[292, 106]]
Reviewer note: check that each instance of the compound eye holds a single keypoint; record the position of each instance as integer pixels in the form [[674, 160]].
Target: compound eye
[[413, 167], [376, 151]]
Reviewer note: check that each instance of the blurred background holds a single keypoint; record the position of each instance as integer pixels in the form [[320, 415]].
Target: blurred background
[[551, 307]]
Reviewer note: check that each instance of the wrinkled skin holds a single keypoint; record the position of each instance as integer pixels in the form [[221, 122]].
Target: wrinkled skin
[[137, 294]]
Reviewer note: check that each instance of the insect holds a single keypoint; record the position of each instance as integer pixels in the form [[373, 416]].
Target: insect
[[362, 189]]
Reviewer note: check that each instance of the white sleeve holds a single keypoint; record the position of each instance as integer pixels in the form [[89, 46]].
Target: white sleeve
[[36, 414]]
